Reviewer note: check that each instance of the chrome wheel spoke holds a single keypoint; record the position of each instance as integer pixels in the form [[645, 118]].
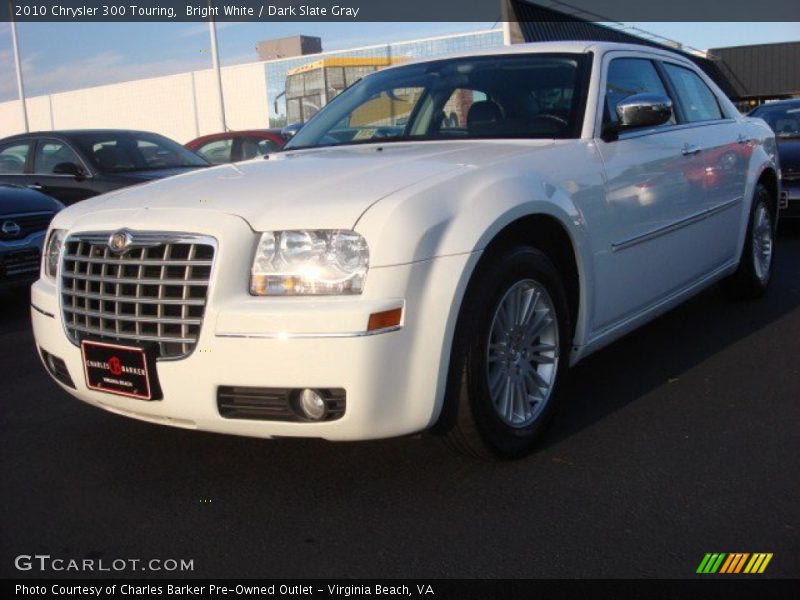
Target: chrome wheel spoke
[[762, 242], [522, 353]]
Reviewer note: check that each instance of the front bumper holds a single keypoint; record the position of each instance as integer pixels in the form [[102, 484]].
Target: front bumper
[[394, 381]]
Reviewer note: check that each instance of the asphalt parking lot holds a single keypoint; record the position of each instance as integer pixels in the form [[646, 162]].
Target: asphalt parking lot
[[682, 439]]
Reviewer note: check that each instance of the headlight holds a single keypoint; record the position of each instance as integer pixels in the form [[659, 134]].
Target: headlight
[[309, 262], [52, 252]]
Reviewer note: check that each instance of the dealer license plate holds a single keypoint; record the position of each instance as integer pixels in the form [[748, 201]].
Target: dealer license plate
[[122, 370]]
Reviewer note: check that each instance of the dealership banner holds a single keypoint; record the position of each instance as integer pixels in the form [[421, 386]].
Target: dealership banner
[[434, 589], [392, 10]]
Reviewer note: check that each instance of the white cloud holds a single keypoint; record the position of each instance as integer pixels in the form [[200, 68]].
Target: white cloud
[[100, 69]]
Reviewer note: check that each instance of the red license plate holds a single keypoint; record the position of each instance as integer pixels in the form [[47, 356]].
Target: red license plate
[[121, 370]]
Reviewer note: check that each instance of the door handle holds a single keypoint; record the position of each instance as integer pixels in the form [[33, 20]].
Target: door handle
[[690, 150], [34, 186]]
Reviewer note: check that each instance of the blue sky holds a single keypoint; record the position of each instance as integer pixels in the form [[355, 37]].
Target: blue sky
[[64, 56]]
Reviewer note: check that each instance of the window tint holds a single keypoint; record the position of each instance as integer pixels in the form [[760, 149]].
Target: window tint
[[216, 152], [517, 96], [120, 151], [266, 146], [698, 102], [51, 153], [13, 157], [456, 109], [629, 76], [783, 118]]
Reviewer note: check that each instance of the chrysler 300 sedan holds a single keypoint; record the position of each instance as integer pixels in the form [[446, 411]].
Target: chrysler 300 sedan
[[431, 251]]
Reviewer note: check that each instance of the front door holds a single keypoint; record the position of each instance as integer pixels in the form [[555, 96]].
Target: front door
[[643, 237]]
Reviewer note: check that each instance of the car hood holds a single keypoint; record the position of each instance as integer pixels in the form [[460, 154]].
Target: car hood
[[321, 188], [15, 199]]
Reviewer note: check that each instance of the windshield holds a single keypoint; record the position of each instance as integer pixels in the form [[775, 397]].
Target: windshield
[[517, 96], [121, 151], [784, 119]]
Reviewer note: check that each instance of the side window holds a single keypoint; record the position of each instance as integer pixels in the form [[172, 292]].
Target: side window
[[629, 76], [13, 157], [698, 102], [216, 152], [267, 146], [50, 153]]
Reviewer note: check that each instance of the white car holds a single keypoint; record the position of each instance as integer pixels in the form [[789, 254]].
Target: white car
[[431, 251]]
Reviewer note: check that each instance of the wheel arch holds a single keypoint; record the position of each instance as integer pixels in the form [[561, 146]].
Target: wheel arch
[[769, 179], [558, 241]]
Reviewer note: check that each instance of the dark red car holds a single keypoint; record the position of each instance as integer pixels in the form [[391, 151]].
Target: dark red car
[[233, 146]]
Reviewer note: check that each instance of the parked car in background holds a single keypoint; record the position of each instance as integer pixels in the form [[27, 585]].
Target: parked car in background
[[784, 119], [25, 216], [73, 165], [235, 146], [393, 271]]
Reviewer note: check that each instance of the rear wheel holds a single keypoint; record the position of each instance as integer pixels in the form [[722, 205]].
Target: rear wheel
[[752, 278], [510, 350]]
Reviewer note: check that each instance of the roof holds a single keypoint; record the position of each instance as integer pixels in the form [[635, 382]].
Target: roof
[[68, 132], [565, 47], [272, 133]]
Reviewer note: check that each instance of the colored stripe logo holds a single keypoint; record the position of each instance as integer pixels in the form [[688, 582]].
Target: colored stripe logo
[[735, 562]]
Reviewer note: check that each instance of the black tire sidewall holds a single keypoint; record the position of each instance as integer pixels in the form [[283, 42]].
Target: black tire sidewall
[[760, 197], [508, 269]]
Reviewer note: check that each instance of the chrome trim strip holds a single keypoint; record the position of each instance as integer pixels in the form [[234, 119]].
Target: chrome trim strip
[[304, 336], [674, 226], [143, 238], [629, 135], [40, 213], [44, 312], [20, 242]]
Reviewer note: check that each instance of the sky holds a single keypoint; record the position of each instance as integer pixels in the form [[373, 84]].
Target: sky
[[63, 56]]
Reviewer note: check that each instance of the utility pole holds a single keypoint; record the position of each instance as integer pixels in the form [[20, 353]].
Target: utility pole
[[212, 28], [18, 64]]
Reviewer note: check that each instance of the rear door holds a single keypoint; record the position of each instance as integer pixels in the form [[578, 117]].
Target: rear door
[[642, 234], [722, 159]]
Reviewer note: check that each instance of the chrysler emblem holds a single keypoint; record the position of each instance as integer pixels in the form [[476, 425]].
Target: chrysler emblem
[[10, 228], [120, 241]]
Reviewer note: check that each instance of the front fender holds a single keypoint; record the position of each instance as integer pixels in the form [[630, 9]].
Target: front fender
[[462, 212]]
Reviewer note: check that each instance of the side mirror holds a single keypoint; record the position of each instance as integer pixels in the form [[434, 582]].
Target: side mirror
[[640, 110], [69, 168], [289, 131]]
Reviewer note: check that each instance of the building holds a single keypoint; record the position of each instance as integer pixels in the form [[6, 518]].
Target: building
[[761, 72], [186, 105], [296, 45]]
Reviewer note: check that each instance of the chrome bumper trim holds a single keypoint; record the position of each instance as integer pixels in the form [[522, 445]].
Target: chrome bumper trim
[[303, 336]]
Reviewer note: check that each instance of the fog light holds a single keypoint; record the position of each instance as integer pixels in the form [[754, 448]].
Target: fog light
[[312, 405]]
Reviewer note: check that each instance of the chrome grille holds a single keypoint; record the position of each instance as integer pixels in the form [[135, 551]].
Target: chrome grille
[[28, 223], [154, 293]]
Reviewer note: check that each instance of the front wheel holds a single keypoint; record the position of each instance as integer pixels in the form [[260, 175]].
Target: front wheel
[[510, 350], [752, 278]]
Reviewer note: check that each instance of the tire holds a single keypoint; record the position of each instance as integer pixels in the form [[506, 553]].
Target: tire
[[488, 361], [751, 279]]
